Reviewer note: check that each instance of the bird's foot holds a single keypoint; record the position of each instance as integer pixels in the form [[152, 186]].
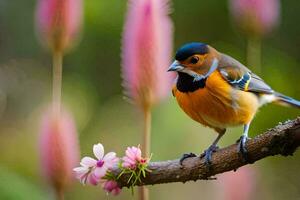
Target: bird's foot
[[208, 154], [242, 149], [185, 156]]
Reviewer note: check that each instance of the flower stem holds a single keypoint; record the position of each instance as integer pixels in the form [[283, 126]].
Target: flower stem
[[147, 132], [60, 194], [143, 191], [57, 81], [254, 54]]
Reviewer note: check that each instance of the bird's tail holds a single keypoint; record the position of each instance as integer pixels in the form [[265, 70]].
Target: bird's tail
[[286, 101]]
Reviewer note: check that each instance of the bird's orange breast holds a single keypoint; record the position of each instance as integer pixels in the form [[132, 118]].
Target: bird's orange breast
[[218, 105]]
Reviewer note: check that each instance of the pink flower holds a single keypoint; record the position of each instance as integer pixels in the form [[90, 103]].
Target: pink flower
[[146, 51], [256, 17], [58, 146], [239, 185], [133, 157], [59, 22], [111, 187], [93, 170], [85, 173]]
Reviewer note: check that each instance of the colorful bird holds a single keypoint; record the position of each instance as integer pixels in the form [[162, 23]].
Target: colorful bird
[[217, 91]]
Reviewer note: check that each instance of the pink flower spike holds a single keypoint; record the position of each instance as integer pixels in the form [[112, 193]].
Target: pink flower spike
[[256, 17], [146, 51], [111, 187], [92, 170], [59, 150], [59, 22], [133, 157]]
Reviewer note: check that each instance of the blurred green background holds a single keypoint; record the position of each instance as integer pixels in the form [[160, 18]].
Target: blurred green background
[[92, 91]]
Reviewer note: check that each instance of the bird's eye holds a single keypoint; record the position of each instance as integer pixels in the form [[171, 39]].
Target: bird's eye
[[194, 60]]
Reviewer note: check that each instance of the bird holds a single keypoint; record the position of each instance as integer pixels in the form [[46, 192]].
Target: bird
[[218, 91]]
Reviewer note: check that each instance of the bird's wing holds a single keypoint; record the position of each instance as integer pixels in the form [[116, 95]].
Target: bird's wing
[[239, 76]]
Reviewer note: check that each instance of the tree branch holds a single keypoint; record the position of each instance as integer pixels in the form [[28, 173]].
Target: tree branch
[[280, 140]]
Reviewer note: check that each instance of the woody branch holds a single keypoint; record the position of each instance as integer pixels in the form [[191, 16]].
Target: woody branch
[[280, 140]]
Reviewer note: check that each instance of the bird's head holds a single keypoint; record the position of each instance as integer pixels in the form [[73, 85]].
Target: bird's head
[[196, 59]]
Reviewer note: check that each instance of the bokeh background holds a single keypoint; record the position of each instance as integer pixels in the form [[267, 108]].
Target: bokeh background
[[92, 91]]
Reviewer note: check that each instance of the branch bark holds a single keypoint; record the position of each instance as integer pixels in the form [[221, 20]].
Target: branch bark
[[280, 140]]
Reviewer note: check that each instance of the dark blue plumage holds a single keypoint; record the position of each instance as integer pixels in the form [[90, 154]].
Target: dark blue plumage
[[190, 49]]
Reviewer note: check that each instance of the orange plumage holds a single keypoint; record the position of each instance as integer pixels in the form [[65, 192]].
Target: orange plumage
[[214, 106]]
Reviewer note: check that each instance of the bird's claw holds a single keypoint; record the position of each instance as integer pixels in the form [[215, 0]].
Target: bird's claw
[[207, 155], [185, 156], [242, 149]]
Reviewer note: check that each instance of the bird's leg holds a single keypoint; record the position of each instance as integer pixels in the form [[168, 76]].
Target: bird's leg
[[212, 148], [242, 143], [208, 152]]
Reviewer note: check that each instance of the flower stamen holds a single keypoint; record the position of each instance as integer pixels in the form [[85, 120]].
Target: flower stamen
[[100, 163]]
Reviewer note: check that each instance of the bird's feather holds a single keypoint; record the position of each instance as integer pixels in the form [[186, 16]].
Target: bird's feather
[[286, 100], [241, 77]]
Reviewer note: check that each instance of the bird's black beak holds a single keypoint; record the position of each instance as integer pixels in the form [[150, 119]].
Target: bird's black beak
[[175, 67]]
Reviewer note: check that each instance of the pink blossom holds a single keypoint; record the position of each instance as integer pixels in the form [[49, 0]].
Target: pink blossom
[[133, 157], [93, 170], [111, 187], [239, 185], [58, 146], [85, 173], [59, 22], [146, 51], [256, 17]]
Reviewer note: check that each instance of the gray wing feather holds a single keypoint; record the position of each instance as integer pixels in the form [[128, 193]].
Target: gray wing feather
[[258, 85], [241, 77]]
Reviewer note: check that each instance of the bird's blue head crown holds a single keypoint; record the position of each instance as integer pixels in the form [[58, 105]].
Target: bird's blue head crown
[[190, 49]]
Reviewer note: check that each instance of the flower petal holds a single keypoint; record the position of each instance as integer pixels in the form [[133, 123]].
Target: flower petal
[[126, 165], [80, 171], [128, 160], [88, 162], [100, 172], [83, 179], [111, 187], [112, 164], [98, 150], [130, 152], [116, 191], [110, 160], [110, 156], [93, 180]]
